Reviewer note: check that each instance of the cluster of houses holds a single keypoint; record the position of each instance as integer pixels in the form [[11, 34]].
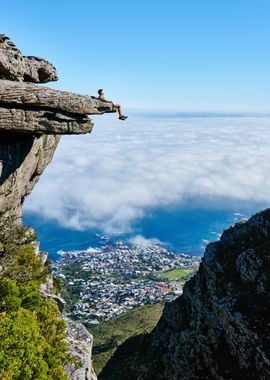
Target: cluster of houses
[[108, 281]]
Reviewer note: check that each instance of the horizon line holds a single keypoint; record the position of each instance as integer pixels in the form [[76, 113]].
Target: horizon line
[[179, 113]]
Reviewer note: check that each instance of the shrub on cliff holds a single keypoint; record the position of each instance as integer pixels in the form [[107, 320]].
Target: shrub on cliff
[[21, 347], [32, 336]]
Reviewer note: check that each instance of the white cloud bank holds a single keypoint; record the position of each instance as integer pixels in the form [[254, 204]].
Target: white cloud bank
[[111, 177], [141, 241]]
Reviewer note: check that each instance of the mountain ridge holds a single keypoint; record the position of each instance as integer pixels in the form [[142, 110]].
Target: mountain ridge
[[216, 329]]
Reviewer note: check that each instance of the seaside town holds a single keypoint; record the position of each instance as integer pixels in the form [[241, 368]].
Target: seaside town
[[102, 283]]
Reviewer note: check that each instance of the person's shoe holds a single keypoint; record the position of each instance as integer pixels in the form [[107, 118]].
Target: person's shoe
[[123, 117]]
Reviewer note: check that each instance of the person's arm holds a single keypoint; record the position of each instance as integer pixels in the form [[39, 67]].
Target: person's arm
[[102, 99]]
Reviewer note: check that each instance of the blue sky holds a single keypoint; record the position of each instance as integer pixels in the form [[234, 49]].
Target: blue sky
[[190, 55]]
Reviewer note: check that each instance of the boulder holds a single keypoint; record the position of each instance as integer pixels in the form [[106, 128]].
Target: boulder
[[17, 67]]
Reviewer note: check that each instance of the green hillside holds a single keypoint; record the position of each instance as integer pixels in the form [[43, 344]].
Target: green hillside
[[108, 336]]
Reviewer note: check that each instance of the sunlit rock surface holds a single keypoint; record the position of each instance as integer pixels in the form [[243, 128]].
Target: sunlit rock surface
[[17, 67]]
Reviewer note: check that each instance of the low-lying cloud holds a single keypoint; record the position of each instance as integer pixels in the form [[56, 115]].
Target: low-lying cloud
[[141, 241], [110, 178]]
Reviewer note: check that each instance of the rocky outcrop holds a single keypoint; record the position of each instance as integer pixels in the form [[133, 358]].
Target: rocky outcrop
[[17, 67], [32, 120], [28, 108], [80, 342], [219, 327]]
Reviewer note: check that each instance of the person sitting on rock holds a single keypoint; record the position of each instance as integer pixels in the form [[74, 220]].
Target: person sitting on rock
[[116, 106]]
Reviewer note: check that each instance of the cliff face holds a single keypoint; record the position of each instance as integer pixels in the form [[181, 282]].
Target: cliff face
[[219, 327], [22, 160], [32, 120]]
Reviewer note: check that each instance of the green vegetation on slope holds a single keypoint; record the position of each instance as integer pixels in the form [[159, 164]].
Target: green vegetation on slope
[[109, 335], [178, 274], [32, 336]]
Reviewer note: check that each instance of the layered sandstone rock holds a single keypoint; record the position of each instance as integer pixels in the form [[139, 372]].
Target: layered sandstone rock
[[17, 67], [219, 327], [28, 108]]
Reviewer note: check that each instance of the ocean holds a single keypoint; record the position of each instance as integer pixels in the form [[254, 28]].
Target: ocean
[[182, 231]]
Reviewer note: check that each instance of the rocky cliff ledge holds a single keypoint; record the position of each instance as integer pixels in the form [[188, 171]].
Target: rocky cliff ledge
[[219, 327], [32, 120]]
